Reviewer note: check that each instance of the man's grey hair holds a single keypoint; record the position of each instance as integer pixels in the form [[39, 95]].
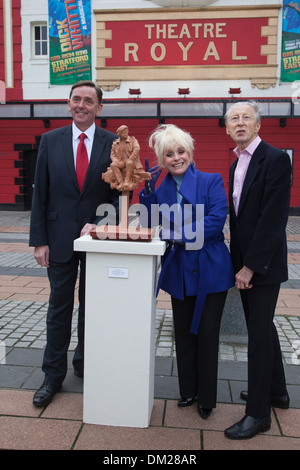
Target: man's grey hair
[[254, 105]]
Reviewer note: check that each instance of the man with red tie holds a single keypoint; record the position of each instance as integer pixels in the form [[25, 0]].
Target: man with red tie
[[68, 189]]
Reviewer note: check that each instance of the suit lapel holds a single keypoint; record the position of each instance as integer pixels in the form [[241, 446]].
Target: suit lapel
[[166, 192], [253, 169], [66, 142], [99, 144], [231, 181], [188, 188]]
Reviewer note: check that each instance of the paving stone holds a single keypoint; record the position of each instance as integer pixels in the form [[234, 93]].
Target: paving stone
[[37, 434]]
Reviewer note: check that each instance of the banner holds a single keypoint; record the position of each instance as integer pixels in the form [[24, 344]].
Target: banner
[[290, 53], [69, 41]]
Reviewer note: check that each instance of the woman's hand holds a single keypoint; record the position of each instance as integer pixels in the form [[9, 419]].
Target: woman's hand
[[155, 172]]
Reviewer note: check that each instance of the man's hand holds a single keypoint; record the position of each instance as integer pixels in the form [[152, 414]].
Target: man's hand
[[41, 254], [243, 278], [87, 229]]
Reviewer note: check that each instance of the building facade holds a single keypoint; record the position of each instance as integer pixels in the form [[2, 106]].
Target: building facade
[[172, 61]]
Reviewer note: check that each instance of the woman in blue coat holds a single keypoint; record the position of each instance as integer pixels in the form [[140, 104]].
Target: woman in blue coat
[[191, 207]]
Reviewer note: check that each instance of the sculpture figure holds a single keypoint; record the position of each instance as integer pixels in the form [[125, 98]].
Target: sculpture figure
[[126, 171]]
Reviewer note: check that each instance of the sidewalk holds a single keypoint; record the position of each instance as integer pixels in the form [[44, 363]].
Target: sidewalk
[[24, 295]]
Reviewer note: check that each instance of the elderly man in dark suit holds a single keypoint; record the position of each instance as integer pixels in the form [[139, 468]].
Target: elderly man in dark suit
[[68, 189], [259, 196]]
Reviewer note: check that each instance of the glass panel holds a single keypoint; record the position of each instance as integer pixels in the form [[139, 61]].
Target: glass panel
[[14, 110], [51, 110], [192, 109], [276, 109], [44, 32], [37, 48], [297, 108], [37, 33], [128, 109], [44, 48]]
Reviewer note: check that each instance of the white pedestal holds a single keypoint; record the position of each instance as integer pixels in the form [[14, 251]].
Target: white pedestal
[[119, 330]]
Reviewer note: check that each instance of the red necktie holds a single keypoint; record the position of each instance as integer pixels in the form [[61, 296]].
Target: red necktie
[[82, 161]]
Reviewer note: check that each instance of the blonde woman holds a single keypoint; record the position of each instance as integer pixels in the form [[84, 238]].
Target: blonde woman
[[196, 273]]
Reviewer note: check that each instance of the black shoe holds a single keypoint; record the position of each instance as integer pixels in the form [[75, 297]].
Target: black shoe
[[248, 427], [78, 373], [282, 402], [204, 412], [44, 395], [185, 402]]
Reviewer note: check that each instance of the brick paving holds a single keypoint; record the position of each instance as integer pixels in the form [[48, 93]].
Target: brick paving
[[24, 292]]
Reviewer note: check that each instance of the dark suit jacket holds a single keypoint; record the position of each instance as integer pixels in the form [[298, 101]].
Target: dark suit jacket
[[59, 211], [258, 238]]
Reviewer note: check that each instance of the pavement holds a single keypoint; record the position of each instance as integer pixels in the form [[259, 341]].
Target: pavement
[[24, 292]]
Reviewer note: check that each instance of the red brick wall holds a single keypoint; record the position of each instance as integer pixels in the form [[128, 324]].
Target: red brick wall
[[16, 136], [213, 148]]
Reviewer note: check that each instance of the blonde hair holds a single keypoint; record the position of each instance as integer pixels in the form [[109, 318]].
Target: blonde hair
[[166, 136]]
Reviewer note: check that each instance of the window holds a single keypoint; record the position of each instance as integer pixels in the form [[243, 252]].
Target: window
[[40, 40]]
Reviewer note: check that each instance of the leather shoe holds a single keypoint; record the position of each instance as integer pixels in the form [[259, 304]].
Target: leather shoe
[[44, 395], [78, 373], [282, 402], [248, 427], [204, 412], [185, 402]]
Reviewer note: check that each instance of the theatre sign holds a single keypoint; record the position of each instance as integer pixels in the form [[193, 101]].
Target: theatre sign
[[187, 44]]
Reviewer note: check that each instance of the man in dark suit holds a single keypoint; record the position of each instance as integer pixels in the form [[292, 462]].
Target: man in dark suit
[[259, 196], [63, 209]]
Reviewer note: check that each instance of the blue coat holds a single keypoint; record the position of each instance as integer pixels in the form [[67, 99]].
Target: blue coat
[[195, 271]]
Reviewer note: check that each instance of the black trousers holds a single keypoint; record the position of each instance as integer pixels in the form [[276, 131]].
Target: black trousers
[[197, 356], [63, 277], [266, 376]]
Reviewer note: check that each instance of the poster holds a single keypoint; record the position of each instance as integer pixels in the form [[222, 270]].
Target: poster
[[69, 41], [290, 53]]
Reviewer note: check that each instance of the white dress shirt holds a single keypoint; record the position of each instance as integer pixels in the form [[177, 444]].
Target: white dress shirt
[[90, 132]]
